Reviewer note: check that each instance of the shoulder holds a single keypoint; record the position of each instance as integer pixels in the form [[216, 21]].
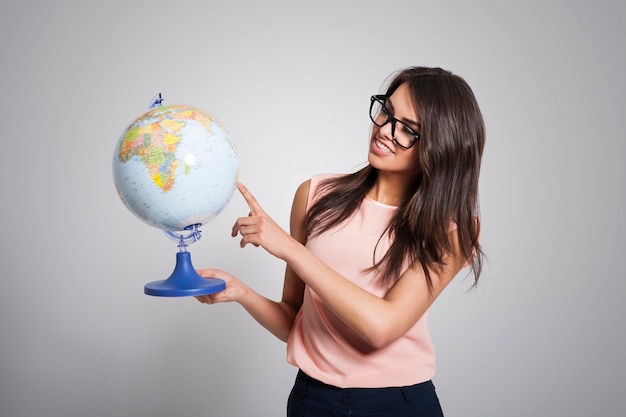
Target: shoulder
[[302, 193], [298, 212], [307, 190], [318, 179]]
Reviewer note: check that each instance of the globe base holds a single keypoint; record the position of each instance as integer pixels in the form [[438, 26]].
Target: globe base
[[184, 281]]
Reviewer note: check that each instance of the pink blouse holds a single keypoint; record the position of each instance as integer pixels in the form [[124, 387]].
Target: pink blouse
[[323, 346]]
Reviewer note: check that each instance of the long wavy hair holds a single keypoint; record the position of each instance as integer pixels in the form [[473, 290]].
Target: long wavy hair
[[445, 190]]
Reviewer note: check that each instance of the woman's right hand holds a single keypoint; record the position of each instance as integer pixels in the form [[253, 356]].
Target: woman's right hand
[[233, 292]]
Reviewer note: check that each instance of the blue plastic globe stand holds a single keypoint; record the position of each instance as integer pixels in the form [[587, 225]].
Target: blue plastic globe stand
[[184, 281]]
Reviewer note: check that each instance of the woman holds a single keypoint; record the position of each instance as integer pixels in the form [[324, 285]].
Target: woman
[[369, 252]]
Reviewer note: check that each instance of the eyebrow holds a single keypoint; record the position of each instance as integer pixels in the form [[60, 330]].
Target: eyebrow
[[404, 120]]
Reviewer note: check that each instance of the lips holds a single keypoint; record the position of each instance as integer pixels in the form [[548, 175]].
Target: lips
[[380, 148]]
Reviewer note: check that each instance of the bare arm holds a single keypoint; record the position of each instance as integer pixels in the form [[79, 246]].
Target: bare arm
[[276, 317], [379, 321]]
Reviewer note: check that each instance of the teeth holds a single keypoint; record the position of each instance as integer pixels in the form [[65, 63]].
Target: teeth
[[383, 146]]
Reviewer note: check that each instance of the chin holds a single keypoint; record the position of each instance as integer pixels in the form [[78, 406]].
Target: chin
[[374, 161]]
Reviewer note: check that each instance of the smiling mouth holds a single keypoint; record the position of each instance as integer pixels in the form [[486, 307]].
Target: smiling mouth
[[382, 146]]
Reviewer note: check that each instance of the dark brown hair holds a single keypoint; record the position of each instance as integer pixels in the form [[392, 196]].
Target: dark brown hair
[[446, 189]]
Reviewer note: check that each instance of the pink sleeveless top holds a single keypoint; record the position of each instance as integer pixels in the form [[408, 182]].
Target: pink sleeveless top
[[323, 346]]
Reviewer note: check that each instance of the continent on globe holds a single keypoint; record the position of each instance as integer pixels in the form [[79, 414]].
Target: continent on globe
[[157, 150]]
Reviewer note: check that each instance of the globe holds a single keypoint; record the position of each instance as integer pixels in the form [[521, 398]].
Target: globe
[[175, 168]]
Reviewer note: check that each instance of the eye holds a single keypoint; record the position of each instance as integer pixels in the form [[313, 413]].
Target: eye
[[407, 130]]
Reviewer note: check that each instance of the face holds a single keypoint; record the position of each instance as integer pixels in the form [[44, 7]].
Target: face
[[384, 153]]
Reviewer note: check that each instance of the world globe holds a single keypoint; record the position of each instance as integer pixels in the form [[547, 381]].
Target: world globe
[[175, 167]]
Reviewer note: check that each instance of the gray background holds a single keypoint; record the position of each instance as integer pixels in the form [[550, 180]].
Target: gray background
[[541, 336]]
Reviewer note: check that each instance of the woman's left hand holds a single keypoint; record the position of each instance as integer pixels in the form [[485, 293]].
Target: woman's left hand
[[259, 229]]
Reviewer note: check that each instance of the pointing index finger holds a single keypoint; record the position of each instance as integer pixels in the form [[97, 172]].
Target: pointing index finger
[[255, 208]]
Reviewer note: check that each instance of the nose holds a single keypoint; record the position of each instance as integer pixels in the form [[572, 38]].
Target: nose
[[387, 130]]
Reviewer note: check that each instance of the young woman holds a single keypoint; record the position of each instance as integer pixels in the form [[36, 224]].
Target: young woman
[[370, 251]]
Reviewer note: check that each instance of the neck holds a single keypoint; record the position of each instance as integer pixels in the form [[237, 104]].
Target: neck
[[390, 189]]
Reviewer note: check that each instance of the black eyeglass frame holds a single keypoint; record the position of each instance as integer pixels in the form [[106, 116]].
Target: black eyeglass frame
[[382, 100]]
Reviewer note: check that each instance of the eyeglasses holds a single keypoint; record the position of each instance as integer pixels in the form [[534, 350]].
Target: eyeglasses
[[405, 137]]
